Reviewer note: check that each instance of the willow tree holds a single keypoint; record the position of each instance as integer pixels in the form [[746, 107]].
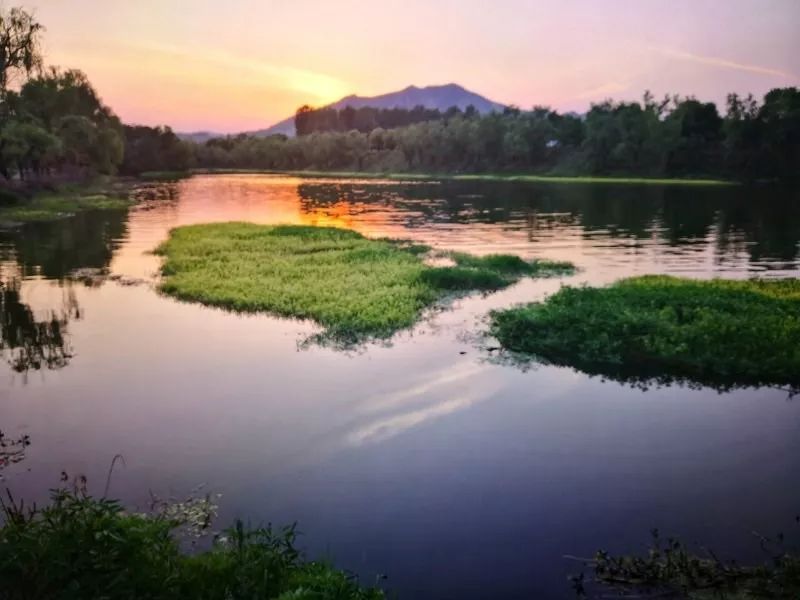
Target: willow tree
[[20, 46]]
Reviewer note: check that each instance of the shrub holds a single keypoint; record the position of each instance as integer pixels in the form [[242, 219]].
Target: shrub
[[80, 547]]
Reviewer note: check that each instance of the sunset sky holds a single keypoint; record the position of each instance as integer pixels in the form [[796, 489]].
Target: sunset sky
[[236, 65]]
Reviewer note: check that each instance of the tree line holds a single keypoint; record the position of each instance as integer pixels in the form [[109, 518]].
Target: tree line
[[671, 137], [366, 118]]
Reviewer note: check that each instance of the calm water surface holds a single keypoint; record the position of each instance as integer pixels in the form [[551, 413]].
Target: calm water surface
[[455, 475]]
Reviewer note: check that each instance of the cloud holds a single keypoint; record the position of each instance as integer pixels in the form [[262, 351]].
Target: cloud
[[724, 63], [209, 67]]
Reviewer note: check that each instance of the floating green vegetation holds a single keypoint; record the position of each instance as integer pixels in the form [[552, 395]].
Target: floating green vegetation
[[83, 547], [49, 206], [354, 287], [722, 333]]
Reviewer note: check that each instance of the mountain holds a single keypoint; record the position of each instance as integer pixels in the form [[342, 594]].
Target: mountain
[[433, 96]]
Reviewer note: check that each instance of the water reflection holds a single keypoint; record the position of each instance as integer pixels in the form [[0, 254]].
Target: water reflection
[[640, 376], [759, 223], [79, 248], [54, 249], [28, 343]]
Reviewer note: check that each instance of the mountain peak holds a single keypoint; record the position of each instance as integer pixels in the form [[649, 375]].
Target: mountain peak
[[452, 86], [439, 97]]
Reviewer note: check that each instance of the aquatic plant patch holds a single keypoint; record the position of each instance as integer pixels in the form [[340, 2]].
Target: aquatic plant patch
[[721, 332], [45, 207], [353, 286]]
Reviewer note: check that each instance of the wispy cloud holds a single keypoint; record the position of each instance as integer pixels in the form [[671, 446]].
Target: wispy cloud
[[301, 80], [724, 63], [210, 65]]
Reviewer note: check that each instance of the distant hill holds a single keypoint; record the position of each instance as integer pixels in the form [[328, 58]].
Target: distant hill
[[433, 96]]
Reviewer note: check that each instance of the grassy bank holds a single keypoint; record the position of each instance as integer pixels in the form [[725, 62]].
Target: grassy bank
[[81, 547], [520, 177], [63, 201], [719, 332], [353, 286]]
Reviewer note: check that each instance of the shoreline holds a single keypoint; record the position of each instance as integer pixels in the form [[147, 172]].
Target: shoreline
[[510, 177]]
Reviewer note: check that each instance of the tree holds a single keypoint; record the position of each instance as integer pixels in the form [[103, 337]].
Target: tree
[[698, 147], [20, 46], [65, 104], [780, 118], [28, 147], [56, 94], [155, 149], [302, 124]]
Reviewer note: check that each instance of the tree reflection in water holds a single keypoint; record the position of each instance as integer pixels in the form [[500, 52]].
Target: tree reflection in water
[[29, 344]]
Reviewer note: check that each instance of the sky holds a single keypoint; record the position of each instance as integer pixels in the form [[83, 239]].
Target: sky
[[238, 65]]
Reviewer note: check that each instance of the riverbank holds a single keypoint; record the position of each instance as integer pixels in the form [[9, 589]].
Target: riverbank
[[58, 202], [510, 177]]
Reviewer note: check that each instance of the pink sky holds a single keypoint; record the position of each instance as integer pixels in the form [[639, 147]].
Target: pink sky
[[244, 64]]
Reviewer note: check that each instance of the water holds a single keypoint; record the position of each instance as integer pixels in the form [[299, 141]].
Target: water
[[454, 475]]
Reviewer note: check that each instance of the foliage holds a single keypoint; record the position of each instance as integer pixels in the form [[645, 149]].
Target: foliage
[[57, 122], [47, 206], [366, 118], [85, 547], [155, 149], [354, 287], [719, 332], [674, 137], [671, 569], [20, 45]]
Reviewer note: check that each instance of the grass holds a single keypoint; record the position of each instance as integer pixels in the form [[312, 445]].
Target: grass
[[354, 287], [81, 547], [50, 206], [515, 177], [720, 332]]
